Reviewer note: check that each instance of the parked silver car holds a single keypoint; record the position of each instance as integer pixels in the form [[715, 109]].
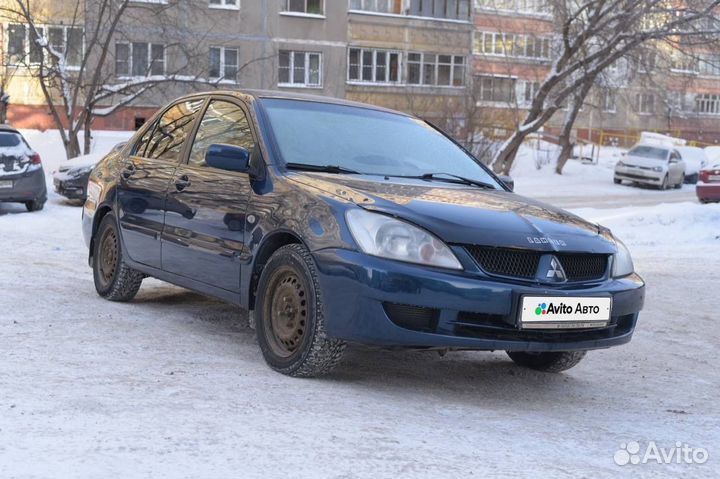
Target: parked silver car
[[659, 166]]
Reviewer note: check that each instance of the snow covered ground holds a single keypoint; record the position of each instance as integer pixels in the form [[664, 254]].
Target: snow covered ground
[[173, 384]]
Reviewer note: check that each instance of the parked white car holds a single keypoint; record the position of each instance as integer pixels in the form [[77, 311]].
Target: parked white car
[[655, 165]]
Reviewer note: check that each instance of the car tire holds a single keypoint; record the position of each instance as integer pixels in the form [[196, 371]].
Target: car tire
[[114, 279], [35, 205], [550, 362], [617, 181], [289, 314], [665, 184]]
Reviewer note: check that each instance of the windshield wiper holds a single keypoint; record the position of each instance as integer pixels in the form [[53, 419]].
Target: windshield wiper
[[452, 179], [322, 168]]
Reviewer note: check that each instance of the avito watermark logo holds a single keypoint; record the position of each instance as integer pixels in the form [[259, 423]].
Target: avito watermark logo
[[632, 453]]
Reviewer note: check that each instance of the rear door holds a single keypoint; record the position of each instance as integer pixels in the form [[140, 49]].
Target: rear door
[[204, 233], [145, 178]]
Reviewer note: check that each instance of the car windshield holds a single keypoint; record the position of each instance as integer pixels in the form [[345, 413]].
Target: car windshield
[[650, 152], [9, 139], [366, 141]]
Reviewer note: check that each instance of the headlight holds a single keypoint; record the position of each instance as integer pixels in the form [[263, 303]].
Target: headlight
[[387, 237], [622, 261], [659, 169]]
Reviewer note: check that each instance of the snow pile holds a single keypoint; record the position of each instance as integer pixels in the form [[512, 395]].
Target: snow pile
[[678, 227]]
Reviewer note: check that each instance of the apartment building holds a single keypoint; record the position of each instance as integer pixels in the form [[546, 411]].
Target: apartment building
[[472, 64]]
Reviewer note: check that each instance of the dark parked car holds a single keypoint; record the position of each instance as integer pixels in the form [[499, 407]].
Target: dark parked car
[[22, 179], [337, 222], [71, 178]]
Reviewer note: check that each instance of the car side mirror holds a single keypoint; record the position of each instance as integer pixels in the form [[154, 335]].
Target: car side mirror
[[228, 157], [507, 181]]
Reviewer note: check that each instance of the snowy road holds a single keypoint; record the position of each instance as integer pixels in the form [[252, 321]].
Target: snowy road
[[622, 199], [173, 384]]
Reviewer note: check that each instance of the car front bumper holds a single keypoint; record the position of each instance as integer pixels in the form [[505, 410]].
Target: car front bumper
[[71, 187], [361, 293], [639, 175], [26, 187], [708, 191]]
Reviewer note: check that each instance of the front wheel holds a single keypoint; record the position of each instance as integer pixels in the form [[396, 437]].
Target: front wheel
[[617, 181], [290, 321], [551, 362], [114, 280], [665, 184]]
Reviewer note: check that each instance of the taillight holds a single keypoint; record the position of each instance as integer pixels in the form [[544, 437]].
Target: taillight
[[35, 159], [706, 174]]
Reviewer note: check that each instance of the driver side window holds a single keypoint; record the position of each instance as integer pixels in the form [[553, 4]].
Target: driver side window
[[224, 123]]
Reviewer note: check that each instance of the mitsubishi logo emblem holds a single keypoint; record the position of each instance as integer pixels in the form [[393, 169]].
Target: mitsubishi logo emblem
[[555, 272]]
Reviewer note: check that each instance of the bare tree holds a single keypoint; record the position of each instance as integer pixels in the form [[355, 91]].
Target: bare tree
[[81, 83], [593, 35], [7, 71]]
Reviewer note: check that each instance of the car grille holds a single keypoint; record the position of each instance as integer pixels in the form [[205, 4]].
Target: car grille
[[523, 264]]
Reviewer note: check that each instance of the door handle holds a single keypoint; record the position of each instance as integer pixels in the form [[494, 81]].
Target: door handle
[[182, 183], [129, 171]]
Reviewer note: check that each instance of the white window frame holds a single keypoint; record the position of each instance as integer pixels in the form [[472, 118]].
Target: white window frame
[[525, 91], [285, 10], [525, 7], [150, 60], [223, 5], [361, 65], [373, 6], [499, 40], [707, 104], [436, 68], [223, 78], [27, 42], [506, 103], [609, 106], [641, 104], [306, 81]]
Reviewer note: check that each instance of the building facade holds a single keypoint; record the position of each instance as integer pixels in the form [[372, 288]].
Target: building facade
[[464, 64]]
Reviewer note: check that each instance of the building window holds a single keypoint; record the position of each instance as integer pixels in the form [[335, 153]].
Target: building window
[[381, 6], [707, 104], [495, 89], [709, 64], [512, 45], [609, 101], [520, 6], [647, 60], [66, 41], [435, 70], [300, 69], [138, 59], [373, 66], [445, 9], [526, 92], [229, 4], [683, 63], [223, 63], [645, 103], [308, 7]]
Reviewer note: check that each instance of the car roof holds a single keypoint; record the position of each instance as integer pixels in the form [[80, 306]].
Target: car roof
[[275, 94], [8, 129]]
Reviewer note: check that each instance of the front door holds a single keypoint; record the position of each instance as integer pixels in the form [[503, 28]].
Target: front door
[[205, 207], [145, 177]]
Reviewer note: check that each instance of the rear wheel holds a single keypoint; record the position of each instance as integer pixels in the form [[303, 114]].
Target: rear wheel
[[551, 362], [290, 322], [35, 205], [114, 280]]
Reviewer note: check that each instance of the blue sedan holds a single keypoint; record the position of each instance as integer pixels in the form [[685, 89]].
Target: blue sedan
[[335, 222]]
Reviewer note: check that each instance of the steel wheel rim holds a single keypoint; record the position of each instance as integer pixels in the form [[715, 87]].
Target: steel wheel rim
[[286, 313], [107, 261]]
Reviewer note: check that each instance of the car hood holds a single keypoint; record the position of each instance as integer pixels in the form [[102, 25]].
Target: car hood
[[467, 215]]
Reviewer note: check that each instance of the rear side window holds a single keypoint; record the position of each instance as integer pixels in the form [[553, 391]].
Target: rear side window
[[9, 139], [170, 132], [224, 123]]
